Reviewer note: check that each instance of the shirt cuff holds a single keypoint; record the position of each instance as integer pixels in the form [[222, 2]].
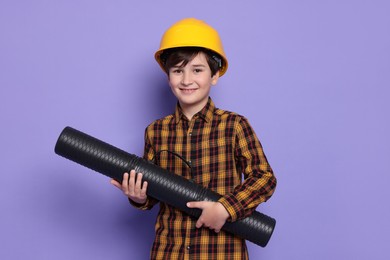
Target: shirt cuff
[[233, 207], [145, 206]]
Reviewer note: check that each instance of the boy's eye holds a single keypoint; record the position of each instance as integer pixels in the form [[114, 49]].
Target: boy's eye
[[176, 71], [198, 70]]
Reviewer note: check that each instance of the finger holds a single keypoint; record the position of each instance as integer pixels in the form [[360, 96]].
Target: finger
[[138, 184], [125, 179], [199, 223], [144, 189], [217, 228], [195, 204], [116, 184], [125, 182], [131, 182]]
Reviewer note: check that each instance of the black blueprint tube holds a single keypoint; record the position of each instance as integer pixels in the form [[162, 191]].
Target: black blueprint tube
[[163, 185]]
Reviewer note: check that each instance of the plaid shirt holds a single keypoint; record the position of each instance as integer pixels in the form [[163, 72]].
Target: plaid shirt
[[219, 146]]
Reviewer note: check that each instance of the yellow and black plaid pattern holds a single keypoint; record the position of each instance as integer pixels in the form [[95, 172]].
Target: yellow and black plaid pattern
[[220, 147]]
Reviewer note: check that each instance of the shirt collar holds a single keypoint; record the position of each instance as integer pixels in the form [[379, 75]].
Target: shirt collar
[[206, 113]]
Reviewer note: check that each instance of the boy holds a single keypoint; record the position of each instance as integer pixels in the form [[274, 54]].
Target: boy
[[216, 146]]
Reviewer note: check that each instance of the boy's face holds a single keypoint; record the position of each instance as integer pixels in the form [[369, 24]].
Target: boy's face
[[191, 84]]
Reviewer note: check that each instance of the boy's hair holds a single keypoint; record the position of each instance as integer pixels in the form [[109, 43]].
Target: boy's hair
[[183, 55]]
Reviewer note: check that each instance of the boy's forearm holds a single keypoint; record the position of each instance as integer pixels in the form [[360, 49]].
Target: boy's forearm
[[247, 196]]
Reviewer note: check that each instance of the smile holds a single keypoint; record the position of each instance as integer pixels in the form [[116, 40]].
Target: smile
[[188, 90]]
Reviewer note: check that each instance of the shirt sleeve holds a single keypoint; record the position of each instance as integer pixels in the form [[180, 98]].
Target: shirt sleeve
[[148, 155], [259, 180]]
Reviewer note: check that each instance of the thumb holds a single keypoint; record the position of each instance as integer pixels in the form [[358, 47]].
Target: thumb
[[116, 184], [195, 204]]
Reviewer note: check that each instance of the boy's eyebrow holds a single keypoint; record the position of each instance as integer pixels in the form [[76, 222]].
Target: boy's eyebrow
[[193, 65]]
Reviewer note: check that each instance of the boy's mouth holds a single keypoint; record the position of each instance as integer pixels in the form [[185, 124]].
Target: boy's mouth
[[188, 90]]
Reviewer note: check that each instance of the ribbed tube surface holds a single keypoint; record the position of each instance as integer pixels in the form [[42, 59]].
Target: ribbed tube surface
[[163, 185]]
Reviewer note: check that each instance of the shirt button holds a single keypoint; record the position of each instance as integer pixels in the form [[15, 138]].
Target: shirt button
[[188, 247]]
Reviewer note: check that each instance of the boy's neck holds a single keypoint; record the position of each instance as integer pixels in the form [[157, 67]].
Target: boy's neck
[[190, 110]]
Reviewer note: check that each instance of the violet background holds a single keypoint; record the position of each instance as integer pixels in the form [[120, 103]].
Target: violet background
[[312, 77]]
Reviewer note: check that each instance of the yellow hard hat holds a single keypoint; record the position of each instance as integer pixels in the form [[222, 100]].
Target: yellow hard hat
[[191, 32]]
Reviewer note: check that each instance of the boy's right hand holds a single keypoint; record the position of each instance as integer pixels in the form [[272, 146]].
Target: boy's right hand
[[133, 187]]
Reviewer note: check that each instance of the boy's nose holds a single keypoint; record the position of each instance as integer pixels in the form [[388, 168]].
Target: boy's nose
[[187, 79]]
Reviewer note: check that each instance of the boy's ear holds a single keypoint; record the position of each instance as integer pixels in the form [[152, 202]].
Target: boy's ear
[[214, 79]]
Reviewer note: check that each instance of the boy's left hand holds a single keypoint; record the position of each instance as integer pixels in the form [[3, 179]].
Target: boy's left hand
[[214, 214]]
